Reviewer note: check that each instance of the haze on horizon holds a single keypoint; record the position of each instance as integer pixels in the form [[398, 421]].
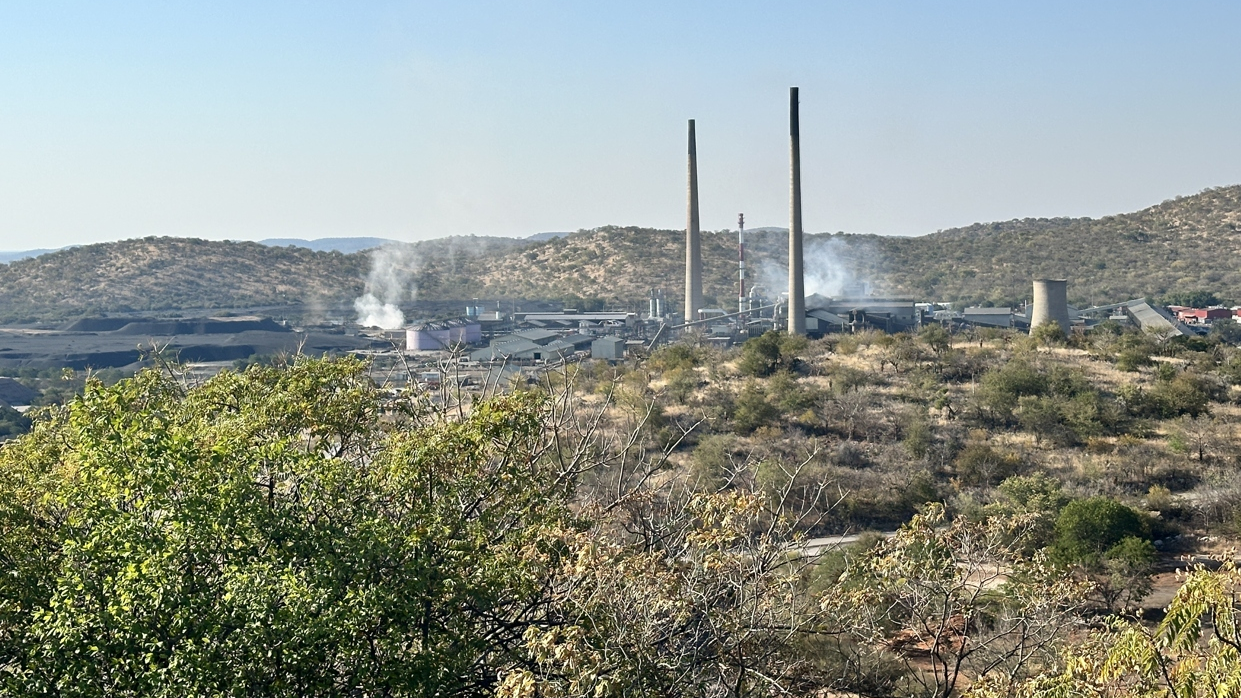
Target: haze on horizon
[[417, 120]]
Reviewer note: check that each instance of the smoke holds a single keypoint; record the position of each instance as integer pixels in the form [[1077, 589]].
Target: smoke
[[390, 281], [826, 273], [831, 267]]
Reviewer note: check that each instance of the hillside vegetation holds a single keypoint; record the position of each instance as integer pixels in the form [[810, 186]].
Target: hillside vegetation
[[1185, 244], [171, 273]]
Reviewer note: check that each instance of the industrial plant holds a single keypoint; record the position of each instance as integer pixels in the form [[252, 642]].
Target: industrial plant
[[505, 338]]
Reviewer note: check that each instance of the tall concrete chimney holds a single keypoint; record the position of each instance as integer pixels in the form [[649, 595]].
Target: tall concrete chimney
[[797, 290], [693, 239], [1050, 303]]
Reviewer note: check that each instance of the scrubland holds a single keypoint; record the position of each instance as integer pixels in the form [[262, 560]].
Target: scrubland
[[885, 515]]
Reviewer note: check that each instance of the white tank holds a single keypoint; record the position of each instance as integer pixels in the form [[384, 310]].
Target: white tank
[[1050, 303]]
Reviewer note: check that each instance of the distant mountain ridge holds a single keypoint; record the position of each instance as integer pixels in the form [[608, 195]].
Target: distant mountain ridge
[[1186, 243], [13, 256], [346, 245]]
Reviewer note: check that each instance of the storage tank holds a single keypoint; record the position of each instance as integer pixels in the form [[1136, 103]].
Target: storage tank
[[1050, 303], [427, 337]]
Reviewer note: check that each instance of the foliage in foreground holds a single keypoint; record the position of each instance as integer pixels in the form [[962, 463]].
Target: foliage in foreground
[[294, 530], [277, 531], [1194, 651]]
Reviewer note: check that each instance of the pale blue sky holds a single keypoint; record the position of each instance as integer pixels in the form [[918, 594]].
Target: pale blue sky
[[257, 119]]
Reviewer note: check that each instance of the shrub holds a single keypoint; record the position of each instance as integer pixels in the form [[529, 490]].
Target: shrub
[[935, 337], [773, 351], [752, 410], [1088, 528], [1132, 359], [1037, 495], [1184, 393], [1125, 576], [1003, 387], [789, 394], [712, 461], [1048, 334], [842, 379], [918, 438], [682, 383], [1042, 417], [679, 356], [980, 465]]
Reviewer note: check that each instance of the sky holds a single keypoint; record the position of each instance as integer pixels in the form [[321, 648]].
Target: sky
[[412, 120]]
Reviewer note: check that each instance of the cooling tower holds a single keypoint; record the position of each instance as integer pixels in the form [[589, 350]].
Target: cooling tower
[[693, 240], [797, 292], [1050, 303]]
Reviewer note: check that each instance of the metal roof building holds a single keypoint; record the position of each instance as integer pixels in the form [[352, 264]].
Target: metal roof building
[[1155, 319], [522, 349], [610, 348], [989, 317]]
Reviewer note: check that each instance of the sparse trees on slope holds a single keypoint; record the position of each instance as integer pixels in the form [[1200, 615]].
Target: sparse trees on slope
[[956, 601]]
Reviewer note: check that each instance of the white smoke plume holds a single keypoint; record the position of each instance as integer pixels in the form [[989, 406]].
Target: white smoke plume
[[827, 270], [390, 281]]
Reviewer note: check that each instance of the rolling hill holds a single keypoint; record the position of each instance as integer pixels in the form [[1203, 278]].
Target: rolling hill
[[1186, 243]]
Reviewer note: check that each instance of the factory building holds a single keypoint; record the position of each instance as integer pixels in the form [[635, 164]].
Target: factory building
[[848, 314], [989, 317], [571, 319], [532, 345], [1199, 315], [1154, 319], [608, 348]]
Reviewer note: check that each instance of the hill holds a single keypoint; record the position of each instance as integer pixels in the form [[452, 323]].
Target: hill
[[166, 274], [1186, 243], [156, 274], [1183, 244]]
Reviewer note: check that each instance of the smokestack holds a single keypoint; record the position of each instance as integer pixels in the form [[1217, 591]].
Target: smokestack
[[797, 291], [693, 240], [741, 266], [1050, 303]]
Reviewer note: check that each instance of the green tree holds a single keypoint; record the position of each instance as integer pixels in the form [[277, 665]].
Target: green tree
[[1087, 528], [1110, 544], [1194, 651], [773, 351], [752, 409], [1194, 299], [285, 531], [1037, 497], [1003, 387], [926, 595], [979, 464], [760, 356], [1048, 334], [935, 337]]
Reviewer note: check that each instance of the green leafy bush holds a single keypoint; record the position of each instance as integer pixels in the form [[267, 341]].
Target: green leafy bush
[[773, 351], [752, 410], [1088, 528], [283, 531]]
